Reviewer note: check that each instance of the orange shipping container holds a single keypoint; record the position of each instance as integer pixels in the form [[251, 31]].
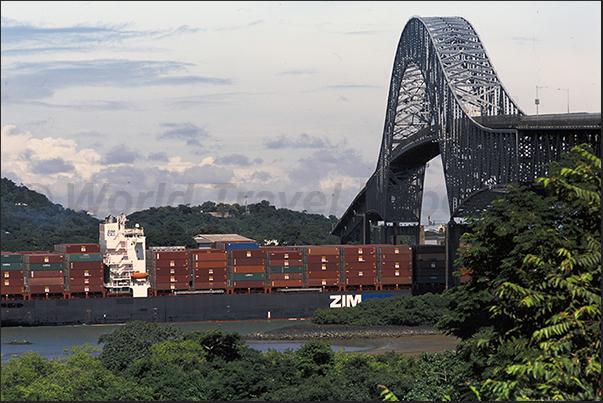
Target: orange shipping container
[[177, 278], [46, 281], [12, 274], [248, 269], [286, 276], [46, 289], [202, 264], [323, 266], [286, 283], [12, 290], [396, 265], [86, 288], [247, 253], [249, 284], [397, 280], [210, 278], [323, 274], [45, 273], [171, 271], [314, 282], [171, 263], [323, 259], [216, 285], [360, 281], [396, 272], [85, 281]]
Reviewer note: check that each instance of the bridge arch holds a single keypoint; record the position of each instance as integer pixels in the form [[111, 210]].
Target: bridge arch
[[445, 98]]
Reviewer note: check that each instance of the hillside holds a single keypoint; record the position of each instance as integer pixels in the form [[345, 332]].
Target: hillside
[[32, 222]]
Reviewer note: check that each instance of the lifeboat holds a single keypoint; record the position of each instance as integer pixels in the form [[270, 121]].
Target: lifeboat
[[139, 275]]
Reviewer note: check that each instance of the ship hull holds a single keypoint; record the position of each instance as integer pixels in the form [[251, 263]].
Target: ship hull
[[181, 308]]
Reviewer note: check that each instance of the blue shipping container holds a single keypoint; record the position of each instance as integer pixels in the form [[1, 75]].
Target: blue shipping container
[[242, 245]]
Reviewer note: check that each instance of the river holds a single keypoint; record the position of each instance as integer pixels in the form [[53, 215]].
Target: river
[[50, 341]]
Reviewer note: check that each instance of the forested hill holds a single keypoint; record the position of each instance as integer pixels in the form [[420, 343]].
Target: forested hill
[[32, 222]]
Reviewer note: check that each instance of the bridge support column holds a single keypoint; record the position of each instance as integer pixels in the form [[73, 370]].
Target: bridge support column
[[454, 231]]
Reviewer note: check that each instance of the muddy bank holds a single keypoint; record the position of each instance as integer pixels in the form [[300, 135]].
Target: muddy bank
[[313, 331], [374, 339]]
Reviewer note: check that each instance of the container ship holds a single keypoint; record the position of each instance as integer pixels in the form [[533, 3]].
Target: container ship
[[120, 280]]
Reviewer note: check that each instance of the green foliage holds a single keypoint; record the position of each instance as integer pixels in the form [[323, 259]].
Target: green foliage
[[418, 310], [535, 259], [132, 341], [31, 222]]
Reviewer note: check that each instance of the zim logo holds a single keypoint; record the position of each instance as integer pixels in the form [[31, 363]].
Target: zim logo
[[344, 301]]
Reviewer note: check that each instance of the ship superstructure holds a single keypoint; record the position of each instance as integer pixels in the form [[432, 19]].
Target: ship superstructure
[[123, 252]]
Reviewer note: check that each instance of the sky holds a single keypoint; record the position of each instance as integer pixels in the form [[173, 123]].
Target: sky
[[113, 107]]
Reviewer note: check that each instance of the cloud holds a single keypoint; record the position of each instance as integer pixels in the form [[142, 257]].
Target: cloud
[[120, 155], [262, 176], [23, 38], [301, 141], [161, 157], [52, 166], [39, 80], [238, 159], [184, 131]]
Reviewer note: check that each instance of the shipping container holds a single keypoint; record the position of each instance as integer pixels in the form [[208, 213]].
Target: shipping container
[[86, 273], [210, 264], [216, 285], [360, 258], [204, 278], [45, 289], [360, 281], [360, 266], [396, 272], [286, 283], [45, 281], [396, 250], [166, 271], [323, 274], [430, 279], [245, 253], [284, 269], [75, 248], [286, 276], [93, 265], [396, 280], [8, 282], [12, 258], [396, 258], [170, 263], [361, 273], [43, 258], [430, 272], [289, 262], [326, 281], [322, 250], [284, 255], [173, 278], [219, 270], [44, 266], [249, 269], [396, 265], [359, 249], [85, 288], [248, 261], [83, 257], [207, 254], [12, 266], [85, 281], [167, 254], [12, 274], [322, 266], [241, 245], [12, 290], [248, 276], [248, 284], [44, 273], [171, 286], [313, 259]]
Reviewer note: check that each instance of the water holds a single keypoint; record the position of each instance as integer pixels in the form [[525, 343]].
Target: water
[[50, 341]]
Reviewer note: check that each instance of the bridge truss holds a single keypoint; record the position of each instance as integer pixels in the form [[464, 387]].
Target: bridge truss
[[446, 99]]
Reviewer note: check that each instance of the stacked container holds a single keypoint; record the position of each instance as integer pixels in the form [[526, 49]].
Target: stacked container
[[209, 269], [429, 267], [360, 266], [324, 266], [168, 268], [84, 273], [395, 266], [284, 268], [13, 280], [44, 275], [247, 264]]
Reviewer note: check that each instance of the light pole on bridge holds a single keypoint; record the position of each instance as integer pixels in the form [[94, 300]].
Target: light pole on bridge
[[537, 100]]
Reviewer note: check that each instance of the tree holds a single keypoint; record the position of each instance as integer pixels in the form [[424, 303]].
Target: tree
[[132, 341], [535, 263]]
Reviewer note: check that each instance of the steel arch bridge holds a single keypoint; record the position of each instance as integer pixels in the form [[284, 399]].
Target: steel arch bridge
[[446, 99]]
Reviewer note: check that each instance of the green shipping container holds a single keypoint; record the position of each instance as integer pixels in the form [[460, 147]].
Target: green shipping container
[[284, 269], [248, 276], [12, 266], [12, 258], [83, 257], [46, 266]]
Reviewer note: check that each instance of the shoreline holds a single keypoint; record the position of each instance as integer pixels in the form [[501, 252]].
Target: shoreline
[[413, 340]]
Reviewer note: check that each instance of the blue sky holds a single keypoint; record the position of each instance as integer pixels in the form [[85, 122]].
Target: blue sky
[[121, 106]]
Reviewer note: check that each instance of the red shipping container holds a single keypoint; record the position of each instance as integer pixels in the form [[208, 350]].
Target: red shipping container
[[41, 258], [316, 282], [286, 283], [249, 284], [284, 255], [360, 281], [323, 274], [396, 258], [33, 252], [46, 281], [171, 271], [177, 278], [86, 288], [396, 250], [359, 250], [286, 276], [323, 266], [247, 253], [171, 286], [85, 281], [13, 274], [169, 255], [396, 265], [85, 265], [216, 285], [45, 273], [12, 290], [219, 270], [77, 248], [360, 258], [201, 254], [170, 263], [210, 264], [248, 269], [8, 282], [289, 262], [86, 273], [396, 272], [323, 250], [397, 280], [250, 261], [361, 273], [46, 289], [323, 259], [360, 266], [210, 278]]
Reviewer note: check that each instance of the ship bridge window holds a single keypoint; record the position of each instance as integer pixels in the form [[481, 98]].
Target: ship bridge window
[[139, 248]]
